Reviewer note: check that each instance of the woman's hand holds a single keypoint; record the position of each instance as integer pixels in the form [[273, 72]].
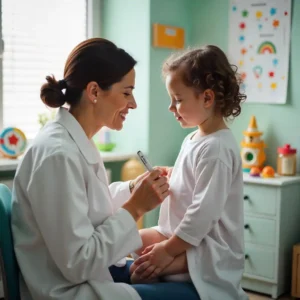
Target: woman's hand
[[134, 182], [149, 192], [165, 171]]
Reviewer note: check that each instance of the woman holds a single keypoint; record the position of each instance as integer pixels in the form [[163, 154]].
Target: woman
[[68, 225]]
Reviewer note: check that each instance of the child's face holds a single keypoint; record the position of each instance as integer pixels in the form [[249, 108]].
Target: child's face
[[189, 108]]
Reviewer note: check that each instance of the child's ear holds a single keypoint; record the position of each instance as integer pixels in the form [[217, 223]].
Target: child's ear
[[209, 98]]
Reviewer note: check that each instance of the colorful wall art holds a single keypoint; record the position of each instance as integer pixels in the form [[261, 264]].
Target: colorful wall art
[[259, 45]]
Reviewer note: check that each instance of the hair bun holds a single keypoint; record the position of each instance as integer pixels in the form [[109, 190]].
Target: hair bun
[[51, 92]]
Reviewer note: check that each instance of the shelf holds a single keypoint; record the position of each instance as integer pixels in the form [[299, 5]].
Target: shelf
[[277, 180]]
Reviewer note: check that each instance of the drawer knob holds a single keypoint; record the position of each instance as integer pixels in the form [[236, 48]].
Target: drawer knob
[[246, 197], [246, 226], [246, 256]]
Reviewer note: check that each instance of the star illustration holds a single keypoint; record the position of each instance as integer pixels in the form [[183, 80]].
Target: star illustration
[[259, 14], [13, 140], [243, 51], [271, 74], [234, 8], [283, 77], [242, 25], [276, 23], [241, 63], [273, 11], [245, 13], [259, 85], [285, 13], [260, 26], [243, 75], [252, 58]]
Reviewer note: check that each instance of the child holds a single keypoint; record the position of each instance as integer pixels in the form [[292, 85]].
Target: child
[[200, 227]]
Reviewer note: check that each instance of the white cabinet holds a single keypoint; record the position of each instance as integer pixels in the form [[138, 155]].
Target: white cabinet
[[272, 227]]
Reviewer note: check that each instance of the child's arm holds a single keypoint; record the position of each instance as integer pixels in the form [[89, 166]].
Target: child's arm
[[212, 187], [176, 246], [149, 237]]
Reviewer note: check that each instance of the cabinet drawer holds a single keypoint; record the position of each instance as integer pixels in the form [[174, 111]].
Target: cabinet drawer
[[259, 261], [260, 199], [260, 231]]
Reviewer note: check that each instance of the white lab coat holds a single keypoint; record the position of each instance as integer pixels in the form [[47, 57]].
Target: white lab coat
[[67, 224]]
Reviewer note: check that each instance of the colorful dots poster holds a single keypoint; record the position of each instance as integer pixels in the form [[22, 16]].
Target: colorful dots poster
[[259, 44]]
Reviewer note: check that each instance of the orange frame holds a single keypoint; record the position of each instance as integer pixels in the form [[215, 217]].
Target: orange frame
[[165, 36]]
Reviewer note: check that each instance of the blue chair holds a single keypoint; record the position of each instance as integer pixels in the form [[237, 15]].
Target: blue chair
[[9, 266]]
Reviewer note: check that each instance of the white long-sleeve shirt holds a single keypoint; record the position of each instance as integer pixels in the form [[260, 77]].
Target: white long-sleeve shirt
[[205, 209], [68, 227]]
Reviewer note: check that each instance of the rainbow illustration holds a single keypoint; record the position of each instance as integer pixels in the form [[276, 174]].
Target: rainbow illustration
[[266, 47]]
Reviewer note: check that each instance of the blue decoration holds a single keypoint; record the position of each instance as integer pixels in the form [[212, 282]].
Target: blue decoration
[[275, 62], [242, 38], [273, 11]]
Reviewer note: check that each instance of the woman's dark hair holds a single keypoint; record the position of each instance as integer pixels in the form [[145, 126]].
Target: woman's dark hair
[[208, 68], [96, 60]]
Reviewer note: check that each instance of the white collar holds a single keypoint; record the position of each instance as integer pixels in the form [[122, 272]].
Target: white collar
[[85, 145]]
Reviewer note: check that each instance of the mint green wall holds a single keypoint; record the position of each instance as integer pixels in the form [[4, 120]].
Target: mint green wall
[[127, 23], [280, 123], [165, 134]]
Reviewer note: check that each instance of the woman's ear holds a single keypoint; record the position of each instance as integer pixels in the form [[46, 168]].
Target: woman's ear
[[93, 91], [209, 98]]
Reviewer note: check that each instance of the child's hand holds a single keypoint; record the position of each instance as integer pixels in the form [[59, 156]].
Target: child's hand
[[154, 259], [137, 279], [132, 268], [140, 277]]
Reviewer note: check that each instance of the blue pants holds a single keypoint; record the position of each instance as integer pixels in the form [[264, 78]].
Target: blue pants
[[156, 291]]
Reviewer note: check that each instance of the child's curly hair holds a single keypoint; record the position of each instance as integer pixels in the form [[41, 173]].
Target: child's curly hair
[[208, 68]]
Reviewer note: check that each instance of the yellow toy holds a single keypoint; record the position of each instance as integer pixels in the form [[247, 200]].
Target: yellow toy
[[253, 154]]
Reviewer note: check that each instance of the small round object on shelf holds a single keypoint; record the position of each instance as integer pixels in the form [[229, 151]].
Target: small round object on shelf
[[268, 172], [255, 172], [12, 142]]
